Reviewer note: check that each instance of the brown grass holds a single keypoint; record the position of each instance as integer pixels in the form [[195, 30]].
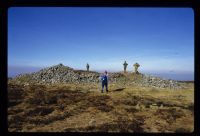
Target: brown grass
[[83, 108]]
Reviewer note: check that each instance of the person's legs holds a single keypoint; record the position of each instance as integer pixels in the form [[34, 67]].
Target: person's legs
[[102, 87], [106, 87]]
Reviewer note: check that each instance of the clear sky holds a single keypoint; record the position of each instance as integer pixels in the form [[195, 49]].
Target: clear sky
[[161, 40]]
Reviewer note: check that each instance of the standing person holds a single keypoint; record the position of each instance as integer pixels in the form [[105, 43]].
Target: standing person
[[104, 81], [125, 66], [87, 66]]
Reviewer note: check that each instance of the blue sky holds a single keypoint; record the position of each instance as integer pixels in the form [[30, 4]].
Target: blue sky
[[161, 40]]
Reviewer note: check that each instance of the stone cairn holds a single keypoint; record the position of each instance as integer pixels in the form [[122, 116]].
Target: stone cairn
[[136, 66], [87, 67], [125, 66]]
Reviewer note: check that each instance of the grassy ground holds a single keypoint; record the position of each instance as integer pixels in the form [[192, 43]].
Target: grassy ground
[[83, 108]]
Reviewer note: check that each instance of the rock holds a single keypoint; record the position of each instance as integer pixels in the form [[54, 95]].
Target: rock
[[137, 106], [92, 122], [161, 106], [26, 84]]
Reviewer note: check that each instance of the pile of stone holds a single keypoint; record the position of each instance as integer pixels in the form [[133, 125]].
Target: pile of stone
[[152, 81], [116, 77], [63, 74]]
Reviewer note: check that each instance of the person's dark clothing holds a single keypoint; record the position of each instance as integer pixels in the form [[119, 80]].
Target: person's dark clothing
[[106, 85], [104, 80]]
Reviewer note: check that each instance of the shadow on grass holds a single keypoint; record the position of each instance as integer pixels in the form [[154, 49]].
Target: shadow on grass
[[119, 89]]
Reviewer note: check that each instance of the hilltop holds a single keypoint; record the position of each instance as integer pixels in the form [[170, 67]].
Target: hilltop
[[64, 74], [61, 99]]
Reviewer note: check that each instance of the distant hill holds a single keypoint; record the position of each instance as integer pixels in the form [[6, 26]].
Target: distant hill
[[186, 81]]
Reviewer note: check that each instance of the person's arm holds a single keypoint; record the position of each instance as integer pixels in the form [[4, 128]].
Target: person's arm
[[100, 78]]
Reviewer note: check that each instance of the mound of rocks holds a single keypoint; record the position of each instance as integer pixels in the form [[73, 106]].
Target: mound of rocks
[[157, 82], [60, 74], [64, 74]]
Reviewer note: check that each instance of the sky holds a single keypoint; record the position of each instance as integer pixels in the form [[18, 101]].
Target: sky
[[161, 40]]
